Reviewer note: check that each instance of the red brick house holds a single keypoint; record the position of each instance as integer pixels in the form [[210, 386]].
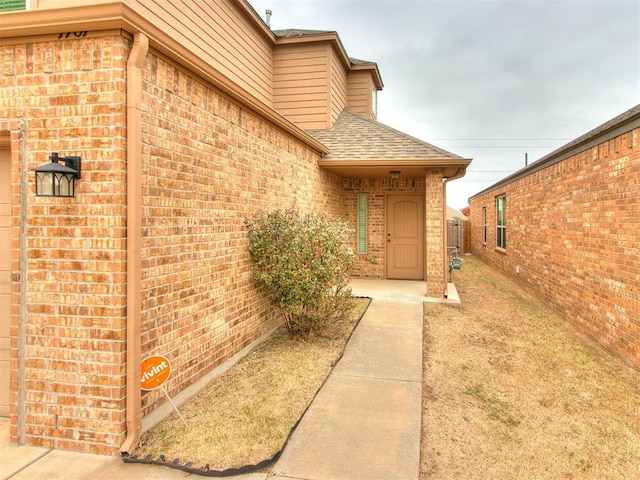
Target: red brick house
[[188, 117], [566, 227]]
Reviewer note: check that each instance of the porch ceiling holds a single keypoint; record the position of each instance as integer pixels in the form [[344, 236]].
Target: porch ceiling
[[382, 168]]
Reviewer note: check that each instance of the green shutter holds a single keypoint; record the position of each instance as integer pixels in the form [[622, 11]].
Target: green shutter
[[362, 223], [8, 5]]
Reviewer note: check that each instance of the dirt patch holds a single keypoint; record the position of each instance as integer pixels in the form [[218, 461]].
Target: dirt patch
[[512, 391]]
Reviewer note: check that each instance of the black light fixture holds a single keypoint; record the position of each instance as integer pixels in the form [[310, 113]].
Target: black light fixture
[[55, 180]]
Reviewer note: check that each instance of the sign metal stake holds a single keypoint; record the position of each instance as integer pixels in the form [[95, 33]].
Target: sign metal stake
[[164, 390], [154, 373]]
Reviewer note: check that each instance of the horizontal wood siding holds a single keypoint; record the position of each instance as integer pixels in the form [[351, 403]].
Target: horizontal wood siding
[[360, 85], [338, 87], [220, 34], [300, 90]]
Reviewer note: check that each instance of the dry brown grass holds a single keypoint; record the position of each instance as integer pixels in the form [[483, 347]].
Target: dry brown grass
[[511, 391], [244, 416]]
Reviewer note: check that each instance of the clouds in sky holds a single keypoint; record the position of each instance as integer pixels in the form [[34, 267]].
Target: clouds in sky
[[488, 79]]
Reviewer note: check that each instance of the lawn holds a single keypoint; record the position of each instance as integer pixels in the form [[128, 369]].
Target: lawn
[[244, 417], [512, 391]]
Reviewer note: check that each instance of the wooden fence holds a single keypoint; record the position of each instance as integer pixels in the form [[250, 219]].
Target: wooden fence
[[458, 234]]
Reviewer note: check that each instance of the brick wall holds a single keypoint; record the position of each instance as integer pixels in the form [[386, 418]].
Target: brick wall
[[372, 264], [378, 189], [67, 96], [572, 233], [208, 163]]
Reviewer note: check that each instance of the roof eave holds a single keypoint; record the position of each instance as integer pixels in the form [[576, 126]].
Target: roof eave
[[117, 15], [317, 37], [408, 168], [334, 39], [29, 23], [370, 66]]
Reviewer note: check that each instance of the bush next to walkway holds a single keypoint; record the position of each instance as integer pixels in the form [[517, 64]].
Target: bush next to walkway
[[301, 263]]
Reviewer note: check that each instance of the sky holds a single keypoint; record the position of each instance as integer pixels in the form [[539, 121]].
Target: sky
[[498, 81]]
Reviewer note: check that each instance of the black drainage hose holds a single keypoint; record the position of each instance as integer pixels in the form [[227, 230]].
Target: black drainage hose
[[204, 470]]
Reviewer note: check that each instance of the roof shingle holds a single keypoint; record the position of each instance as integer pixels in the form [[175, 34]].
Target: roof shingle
[[356, 137]]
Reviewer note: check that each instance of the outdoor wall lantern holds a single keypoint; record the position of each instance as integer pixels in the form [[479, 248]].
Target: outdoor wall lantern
[[395, 174], [56, 180]]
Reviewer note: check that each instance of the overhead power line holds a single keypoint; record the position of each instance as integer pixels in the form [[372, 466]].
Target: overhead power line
[[504, 146], [502, 139], [496, 144]]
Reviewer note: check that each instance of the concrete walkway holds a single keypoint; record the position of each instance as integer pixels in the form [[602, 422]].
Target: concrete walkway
[[364, 423]]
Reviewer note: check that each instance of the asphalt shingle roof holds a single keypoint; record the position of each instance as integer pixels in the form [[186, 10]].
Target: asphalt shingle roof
[[298, 32], [356, 137]]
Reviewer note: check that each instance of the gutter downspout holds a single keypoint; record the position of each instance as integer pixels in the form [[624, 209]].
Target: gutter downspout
[[459, 174], [134, 233]]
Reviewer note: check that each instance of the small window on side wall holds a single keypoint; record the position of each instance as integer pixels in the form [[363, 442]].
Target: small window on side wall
[[362, 223], [501, 221], [484, 225]]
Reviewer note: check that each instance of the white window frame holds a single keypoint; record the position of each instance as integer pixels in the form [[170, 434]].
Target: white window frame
[[501, 222]]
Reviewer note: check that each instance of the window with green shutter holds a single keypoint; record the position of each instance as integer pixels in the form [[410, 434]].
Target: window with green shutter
[[8, 5], [362, 223]]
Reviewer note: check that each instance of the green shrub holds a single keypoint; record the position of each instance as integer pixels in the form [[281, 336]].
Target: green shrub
[[301, 263]]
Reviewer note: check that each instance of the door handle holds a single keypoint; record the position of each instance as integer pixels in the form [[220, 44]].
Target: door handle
[[388, 237]]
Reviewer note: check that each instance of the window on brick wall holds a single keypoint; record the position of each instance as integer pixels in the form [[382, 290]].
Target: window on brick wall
[[362, 223], [8, 5], [501, 221], [484, 225]]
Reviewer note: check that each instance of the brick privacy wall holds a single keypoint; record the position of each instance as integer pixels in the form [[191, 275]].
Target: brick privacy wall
[[67, 96], [377, 190], [572, 229], [208, 164]]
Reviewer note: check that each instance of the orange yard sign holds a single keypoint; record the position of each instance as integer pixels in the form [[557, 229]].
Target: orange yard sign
[[154, 372]]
